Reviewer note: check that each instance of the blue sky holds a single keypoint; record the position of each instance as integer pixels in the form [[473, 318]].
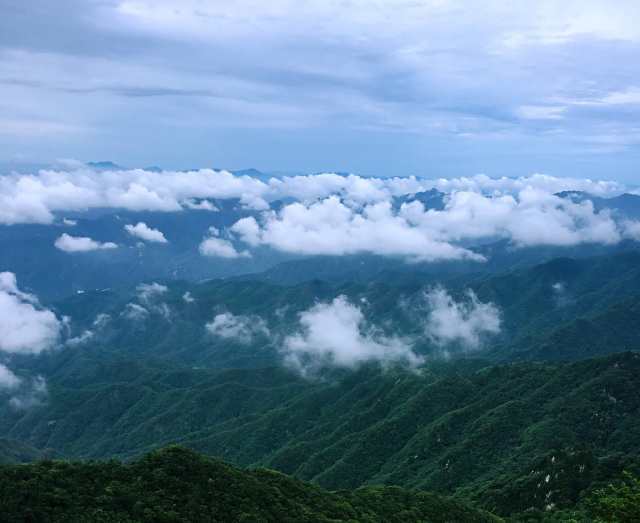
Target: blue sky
[[434, 88]]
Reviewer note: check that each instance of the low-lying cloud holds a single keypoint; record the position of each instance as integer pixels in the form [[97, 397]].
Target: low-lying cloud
[[329, 214], [8, 380], [148, 292], [25, 326], [239, 328], [68, 243], [334, 227], [32, 393], [135, 312], [465, 322], [35, 198], [144, 232], [331, 227], [216, 247], [337, 333]]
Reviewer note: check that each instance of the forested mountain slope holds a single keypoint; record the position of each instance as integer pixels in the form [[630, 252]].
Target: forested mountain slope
[[489, 434], [565, 309], [180, 486]]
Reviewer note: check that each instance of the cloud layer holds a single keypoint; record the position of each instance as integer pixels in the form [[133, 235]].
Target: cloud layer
[[35, 198], [329, 214]]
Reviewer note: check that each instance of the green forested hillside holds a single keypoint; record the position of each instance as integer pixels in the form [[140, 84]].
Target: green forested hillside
[[177, 485], [13, 451], [491, 434], [532, 422], [565, 309]]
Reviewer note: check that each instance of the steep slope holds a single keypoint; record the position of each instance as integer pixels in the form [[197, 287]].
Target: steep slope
[[539, 307], [13, 451], [490, 434], [180, 486]]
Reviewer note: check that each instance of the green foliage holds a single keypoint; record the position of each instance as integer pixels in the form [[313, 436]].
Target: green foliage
[[524, 439], [12, 451], [618, 502], [489, 434], [177, 485]]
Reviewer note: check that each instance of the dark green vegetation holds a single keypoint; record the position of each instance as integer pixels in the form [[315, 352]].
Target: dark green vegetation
[[533, 427], [12, 451], [177, 485], [617, 502], [491, 435], [564, 309]]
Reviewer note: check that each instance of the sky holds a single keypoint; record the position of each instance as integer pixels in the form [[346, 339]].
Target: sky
[[435, 88]]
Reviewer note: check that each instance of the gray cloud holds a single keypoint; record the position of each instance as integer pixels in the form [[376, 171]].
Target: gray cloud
[[468, 82]]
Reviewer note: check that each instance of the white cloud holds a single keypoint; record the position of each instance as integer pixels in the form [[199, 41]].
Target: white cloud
[[217, 247], [243, 329], [334, 227], [331, 227], [143, 231], [331, 214], [336, 333], [631, 229], [31, 395], [25, 327], [464, 322], [69, 243], [187, 297], [531, 217], [69, 223], [202, 205], [148, 292], [8, 380], [34, 198], [83, 338], [135, 312], [101, 320]]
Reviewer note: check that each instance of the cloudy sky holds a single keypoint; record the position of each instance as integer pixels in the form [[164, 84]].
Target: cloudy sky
[[394, 87]]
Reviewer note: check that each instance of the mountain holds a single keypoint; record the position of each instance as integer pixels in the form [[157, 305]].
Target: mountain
[[105, 165], [12, 451], [565, 309], [178, 485], [29, 250], [624, 205], [530, 423], [487, 434]]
